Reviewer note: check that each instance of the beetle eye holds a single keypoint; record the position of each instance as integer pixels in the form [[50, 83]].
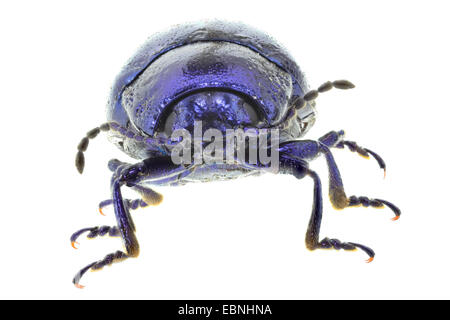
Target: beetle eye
[[252, 115]]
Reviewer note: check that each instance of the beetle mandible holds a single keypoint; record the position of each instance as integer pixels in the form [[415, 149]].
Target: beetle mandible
[[227, 76]]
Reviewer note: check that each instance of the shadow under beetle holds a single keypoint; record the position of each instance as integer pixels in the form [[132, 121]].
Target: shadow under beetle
[[228, 76]]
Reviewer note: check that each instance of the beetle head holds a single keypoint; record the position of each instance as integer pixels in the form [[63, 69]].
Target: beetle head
[[216, 109]]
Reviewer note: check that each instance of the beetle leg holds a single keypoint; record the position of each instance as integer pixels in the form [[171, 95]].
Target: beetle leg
[[339, 199], [104, 204], [114, 164], [125, 225], [312, 234], [149, 196], [128, 175], [308, 150], [301, 149], [95, 266], [132, 204], [93, 233], [355, 201], [363, 152], [299, 169], [335, 139]]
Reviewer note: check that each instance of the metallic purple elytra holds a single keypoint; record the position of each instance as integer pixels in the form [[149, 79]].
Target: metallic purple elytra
[[228, 76]]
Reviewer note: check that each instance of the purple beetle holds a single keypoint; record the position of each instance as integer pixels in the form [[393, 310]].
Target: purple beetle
[[227, 76]]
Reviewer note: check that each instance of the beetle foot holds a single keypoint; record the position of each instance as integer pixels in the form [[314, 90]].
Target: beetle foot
[[104, 204], [93, 233], [118, 256], [374, 203], [336, 244], [131, 204], [363, 152]]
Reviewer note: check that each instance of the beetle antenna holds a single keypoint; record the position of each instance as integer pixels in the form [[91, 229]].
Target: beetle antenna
[[83, 145], [338, 84]]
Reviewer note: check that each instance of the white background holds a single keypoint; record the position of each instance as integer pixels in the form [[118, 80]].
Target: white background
[[242, 239]]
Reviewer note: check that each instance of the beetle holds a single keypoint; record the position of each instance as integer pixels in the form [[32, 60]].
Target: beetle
[[228, 76]]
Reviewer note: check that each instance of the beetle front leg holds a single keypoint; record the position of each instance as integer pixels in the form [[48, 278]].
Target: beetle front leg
[[309, 150], [132, 204], [125, 227], [129, 176], [299, 169], [335, 139], [339, 199], [103, 230], [149, 197], [93, 233]]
